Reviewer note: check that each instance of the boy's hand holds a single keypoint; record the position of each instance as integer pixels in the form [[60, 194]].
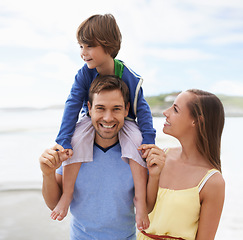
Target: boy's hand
[[65, 154]]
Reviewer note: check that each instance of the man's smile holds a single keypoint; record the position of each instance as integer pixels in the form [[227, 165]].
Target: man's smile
[[107, 126]]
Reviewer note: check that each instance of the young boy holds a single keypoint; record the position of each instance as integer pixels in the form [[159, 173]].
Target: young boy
[[99, 38]]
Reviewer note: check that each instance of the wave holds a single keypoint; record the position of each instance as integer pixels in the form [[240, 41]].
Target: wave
[[30, 109], [20, 186]]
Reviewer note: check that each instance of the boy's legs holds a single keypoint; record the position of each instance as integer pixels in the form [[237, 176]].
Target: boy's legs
[[140, 177], [70, 173]]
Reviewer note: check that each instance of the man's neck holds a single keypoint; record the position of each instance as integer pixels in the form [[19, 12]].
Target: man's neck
[[107, 148], [105, 143]]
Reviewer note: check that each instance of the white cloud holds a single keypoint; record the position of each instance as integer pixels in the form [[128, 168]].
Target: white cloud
[[228, 87], [61, 67], [15, 80], [227, 39], [177, 32], [180, 54]]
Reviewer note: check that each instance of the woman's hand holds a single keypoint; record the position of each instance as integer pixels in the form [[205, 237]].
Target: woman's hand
[[155, 158]]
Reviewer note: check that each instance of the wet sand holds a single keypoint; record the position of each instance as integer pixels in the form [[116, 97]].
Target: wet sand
[[24, 216]]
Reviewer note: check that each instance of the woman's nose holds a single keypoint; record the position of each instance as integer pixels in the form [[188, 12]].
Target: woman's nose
[[165, 112]]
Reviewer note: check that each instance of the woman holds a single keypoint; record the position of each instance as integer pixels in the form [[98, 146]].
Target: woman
[[187, 197]]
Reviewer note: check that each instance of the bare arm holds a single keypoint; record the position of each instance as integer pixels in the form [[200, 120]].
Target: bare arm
[[155, 158], [212, 200], [52, 182]]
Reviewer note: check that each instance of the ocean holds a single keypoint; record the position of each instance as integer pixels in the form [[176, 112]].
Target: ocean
[[26, 133]]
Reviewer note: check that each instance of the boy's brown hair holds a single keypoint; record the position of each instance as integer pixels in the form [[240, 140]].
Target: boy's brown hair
[[100, 30]]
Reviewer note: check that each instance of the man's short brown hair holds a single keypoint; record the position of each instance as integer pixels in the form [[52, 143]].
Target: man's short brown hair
[[108, 83], [100, 30]]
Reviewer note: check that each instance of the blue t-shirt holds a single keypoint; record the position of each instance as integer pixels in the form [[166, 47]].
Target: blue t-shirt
[[102, 205]]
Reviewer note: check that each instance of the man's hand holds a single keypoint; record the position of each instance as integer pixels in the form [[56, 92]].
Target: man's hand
[[50, 160]]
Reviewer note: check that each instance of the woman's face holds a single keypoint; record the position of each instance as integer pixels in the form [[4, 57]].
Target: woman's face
[[179, 122]]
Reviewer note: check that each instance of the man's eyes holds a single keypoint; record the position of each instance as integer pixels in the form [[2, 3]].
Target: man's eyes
[[99, 108], [114, 109]]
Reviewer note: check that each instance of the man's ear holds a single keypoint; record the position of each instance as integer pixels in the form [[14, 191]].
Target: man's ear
[[89, 106], [127, 109]]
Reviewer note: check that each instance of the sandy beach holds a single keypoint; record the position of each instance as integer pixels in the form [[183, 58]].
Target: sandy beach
[[24, 216]]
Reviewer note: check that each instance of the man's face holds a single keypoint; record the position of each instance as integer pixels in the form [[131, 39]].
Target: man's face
[[107, 114]]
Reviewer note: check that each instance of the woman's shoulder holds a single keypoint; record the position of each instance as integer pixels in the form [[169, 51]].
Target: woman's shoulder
[[216, 181], [215, 186]]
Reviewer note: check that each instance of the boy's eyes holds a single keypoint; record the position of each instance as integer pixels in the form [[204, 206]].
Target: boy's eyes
[[88, 46]]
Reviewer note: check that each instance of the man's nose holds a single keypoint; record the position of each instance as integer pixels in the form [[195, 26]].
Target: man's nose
[[108, 116]]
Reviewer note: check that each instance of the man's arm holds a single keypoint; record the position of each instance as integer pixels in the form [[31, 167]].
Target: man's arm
[[52, 182]]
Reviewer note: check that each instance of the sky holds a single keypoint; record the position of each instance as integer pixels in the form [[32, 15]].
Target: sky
[[174, 45]]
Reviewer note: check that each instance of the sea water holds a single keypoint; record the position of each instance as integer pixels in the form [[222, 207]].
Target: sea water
[[26, 133]]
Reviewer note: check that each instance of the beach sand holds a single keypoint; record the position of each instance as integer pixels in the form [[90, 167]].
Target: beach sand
[[24, 216]]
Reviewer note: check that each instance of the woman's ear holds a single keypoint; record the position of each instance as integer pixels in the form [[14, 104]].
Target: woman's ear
[[200, 120]]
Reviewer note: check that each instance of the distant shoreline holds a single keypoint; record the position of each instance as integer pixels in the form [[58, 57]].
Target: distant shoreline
[[158, 112], [233, 105]]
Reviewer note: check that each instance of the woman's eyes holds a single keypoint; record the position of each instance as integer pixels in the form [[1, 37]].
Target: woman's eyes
[[175, 110]]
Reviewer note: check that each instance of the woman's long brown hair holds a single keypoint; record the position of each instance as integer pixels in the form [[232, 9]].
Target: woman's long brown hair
[[208, 112]]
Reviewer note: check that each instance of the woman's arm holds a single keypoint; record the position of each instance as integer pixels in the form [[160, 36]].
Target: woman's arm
[[212, 201], [155, 158]]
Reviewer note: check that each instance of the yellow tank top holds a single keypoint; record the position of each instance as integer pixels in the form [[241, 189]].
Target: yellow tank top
[[176, 212]]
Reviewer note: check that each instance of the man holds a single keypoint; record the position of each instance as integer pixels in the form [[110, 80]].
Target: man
[[102, 205]]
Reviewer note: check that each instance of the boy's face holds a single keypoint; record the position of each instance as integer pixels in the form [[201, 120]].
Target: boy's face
[[107, 114], [96, 57]]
